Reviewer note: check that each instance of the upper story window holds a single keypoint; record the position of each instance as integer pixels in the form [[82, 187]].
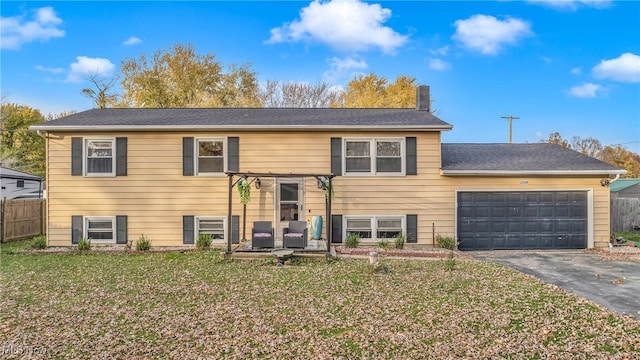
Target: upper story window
[[99, 157], [210, 156], [381, 156]]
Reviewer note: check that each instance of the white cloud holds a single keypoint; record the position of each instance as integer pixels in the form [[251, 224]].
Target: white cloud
[[439, 65], [487, 34], [576, 71], [86, 66], [440, 51], [348, 25], [343, 68], [572, 4], [43, 25], [625, 68], [587, 90], [132, 40], [50, 70]]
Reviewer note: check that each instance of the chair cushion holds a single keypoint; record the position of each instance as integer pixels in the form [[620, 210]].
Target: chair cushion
[[262, 235], [294, 235]]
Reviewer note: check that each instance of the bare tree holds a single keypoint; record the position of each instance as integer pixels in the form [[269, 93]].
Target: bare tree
[[101, 96], [300, 95]]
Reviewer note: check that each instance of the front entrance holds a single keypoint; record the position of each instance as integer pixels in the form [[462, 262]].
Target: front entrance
[[290, 202]]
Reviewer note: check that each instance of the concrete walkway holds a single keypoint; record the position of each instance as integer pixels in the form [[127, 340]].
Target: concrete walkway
[[612, 284]]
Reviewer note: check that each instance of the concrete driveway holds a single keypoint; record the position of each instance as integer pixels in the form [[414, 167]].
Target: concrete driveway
[[612, 284]]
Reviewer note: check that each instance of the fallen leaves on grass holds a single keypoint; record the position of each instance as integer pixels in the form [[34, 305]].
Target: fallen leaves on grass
[[194, 305]]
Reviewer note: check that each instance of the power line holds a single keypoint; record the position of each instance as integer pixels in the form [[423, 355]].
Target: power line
[[511, 118]]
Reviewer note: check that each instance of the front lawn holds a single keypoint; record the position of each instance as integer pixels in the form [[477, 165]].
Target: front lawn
[[195, 305]]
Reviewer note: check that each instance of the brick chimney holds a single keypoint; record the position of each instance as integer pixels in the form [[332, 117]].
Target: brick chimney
[[422, 98]]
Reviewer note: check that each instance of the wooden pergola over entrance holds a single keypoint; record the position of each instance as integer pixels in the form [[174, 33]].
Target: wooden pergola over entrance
[[325, 179]]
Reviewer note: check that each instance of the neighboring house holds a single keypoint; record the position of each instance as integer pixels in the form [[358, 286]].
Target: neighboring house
[[625, 188], [625, 205], [115, 174], [20, 185]]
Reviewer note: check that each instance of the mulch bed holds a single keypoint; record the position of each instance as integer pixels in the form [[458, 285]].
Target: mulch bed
[[414, 253]]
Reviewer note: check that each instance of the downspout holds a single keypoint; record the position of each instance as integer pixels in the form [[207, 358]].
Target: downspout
[[614, 179]]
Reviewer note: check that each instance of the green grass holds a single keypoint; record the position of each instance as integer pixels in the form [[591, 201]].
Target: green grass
[[635, 237], [196, 305]]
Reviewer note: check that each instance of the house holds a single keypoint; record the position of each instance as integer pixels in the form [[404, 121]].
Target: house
[[20, 185], [115, 174]]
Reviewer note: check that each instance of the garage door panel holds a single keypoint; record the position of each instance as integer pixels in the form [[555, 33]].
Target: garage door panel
[[498, 211], [499, 242], [522, 220]]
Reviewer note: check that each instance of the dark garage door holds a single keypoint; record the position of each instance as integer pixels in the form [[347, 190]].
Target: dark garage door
[[522, 220]]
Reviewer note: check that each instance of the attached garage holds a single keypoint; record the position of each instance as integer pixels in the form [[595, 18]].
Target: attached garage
[[518, 220]]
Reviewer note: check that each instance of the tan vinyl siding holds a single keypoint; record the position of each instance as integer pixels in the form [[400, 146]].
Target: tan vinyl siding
[[155, 195]]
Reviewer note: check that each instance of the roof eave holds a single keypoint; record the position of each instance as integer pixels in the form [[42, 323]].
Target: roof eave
[[530, 172]]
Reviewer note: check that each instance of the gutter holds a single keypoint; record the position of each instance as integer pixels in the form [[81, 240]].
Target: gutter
[[248, 127], [531, 172]]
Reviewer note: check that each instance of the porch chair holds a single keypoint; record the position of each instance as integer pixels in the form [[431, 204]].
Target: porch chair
[[295, 236], [262, 235]]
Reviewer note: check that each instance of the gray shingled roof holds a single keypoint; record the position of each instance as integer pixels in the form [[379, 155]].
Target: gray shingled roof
[[15, 174], [247, 119], [543, 158]]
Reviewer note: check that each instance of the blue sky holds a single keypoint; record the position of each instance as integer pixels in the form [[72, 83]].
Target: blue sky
[[566, 66]]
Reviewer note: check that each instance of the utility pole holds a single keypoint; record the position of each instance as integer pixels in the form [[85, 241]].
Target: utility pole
[[511, 118]]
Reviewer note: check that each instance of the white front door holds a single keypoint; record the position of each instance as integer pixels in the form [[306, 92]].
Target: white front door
[[290, 204]]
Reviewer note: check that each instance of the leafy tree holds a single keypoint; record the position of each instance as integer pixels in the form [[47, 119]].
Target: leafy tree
[[180, 77], [371, 91], [102, 96], [299, 95], [22, 149], [623, 158]]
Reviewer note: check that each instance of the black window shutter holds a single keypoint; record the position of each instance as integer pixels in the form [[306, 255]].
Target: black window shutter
[[121, 229], [76, 156], [235, 229], [336, 229], [187, 156], [76, 228], [233, 158], [411, 156], [121, 156], [187, 229], [412, 228], [336, 156]]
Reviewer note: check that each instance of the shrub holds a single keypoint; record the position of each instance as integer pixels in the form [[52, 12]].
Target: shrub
[[203, 242], [447, 242], [84, 244], [400, 241], [352, 240], [143, 243], [39, 242], [383, 244]]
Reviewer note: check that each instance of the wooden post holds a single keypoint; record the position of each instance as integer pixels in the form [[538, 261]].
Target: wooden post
[[229, 230]]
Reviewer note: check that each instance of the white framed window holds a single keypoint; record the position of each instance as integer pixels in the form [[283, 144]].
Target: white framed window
[[376, 156], [216, 226], [210, 156], [99, 157], [389, 227], [100, 229], [374, 228]]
